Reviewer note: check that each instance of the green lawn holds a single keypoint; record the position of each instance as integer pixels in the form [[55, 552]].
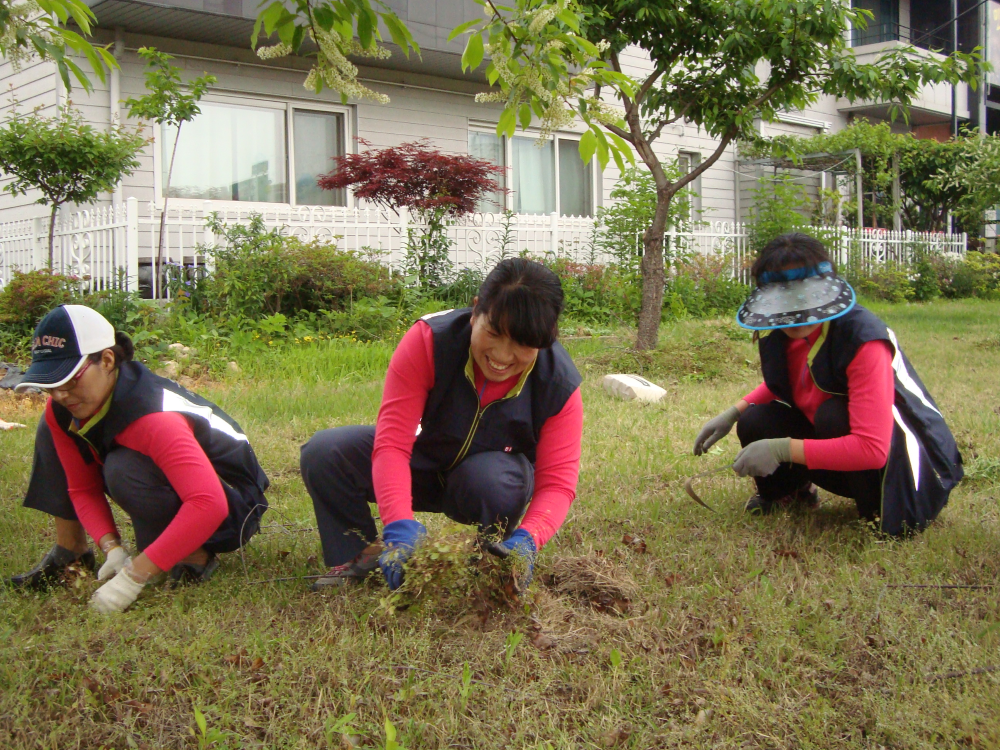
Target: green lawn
[[783, 632]]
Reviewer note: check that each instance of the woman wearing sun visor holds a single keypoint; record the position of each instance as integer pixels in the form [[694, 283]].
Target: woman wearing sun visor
[[181, 469], [840, 407]]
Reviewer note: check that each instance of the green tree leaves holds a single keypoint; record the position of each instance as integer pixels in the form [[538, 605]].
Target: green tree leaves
[[24, 32], [65, 159], [169, 101]]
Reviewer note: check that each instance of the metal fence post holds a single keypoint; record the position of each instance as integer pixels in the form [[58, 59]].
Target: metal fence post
[[132, 244], [554, 247]]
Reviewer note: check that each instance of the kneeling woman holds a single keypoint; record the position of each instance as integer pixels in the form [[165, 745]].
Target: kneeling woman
[[481, 420], [181, 469], [840, 406]]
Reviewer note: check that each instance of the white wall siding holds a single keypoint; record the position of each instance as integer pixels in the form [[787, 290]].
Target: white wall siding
[[33, 86]]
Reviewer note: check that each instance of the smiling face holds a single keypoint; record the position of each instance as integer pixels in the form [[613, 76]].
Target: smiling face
[[85, 393], [497, 354]]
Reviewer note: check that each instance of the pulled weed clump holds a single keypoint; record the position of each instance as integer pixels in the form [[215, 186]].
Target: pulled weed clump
[[452, 575]]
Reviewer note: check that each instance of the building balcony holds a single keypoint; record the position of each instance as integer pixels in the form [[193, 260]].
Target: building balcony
[[931, 106]]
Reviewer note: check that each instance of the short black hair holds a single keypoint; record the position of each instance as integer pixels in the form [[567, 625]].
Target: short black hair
[[522, 299], [124, 350], [792, 250]]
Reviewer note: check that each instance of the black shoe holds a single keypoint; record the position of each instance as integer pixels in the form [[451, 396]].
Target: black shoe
[[805, 497], [52, 568], [185, 573], [758, 506]]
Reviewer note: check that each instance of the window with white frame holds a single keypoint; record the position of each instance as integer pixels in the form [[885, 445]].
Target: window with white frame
[[687, 161], [239, 152], [544, 178], [489, 147]]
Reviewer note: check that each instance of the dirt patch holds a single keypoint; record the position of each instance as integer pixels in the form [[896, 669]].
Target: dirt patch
[[16, 407], [605, 586]]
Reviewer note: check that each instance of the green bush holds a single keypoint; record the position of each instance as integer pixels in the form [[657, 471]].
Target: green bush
[[24, 300], [259, 272], [888, 283], [703, 286], [596, 294], [981, 273]]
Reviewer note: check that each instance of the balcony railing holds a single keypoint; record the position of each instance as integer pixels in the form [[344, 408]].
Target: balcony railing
[[878, 33]]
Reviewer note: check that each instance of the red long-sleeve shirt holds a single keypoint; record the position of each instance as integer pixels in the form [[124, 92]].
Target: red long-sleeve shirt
[[408, 382], [167, 438], [870, 395]]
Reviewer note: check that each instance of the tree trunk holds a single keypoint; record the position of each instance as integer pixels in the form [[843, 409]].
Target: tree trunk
[[653, 275], [52, 235], [163, 216]]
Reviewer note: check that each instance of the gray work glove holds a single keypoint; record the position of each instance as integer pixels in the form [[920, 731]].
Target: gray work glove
[[715, 429], [763, 457]]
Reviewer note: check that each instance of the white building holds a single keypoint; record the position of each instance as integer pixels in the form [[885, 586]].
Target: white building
[[262, 138]]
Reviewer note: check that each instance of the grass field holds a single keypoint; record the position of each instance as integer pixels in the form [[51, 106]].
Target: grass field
[[703, 630]]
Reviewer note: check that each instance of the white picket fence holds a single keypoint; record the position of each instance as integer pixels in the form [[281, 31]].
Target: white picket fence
[[95, 246], [848, 246], [99, 245]]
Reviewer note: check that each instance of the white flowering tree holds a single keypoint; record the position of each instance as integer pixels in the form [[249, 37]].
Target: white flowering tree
[[37, 29], [720, 65], [545, 69]]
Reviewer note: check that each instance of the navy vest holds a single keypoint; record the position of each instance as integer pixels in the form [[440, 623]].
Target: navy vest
[[924, 463], [139, 392], [454, 425]]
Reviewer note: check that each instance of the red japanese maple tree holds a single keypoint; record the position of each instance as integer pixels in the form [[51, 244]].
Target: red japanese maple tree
[[416, 176], [438, 187]]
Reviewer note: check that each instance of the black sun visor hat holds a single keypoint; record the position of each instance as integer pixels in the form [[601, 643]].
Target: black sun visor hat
[[62, 342], [796, 297]]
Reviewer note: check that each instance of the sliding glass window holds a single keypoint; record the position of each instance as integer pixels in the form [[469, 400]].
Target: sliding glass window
[[319, 137], [490, 147], [237, 152], [229, 152]]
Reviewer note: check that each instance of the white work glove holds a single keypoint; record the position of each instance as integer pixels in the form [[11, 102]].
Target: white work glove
[[117, 594], [115, 559]]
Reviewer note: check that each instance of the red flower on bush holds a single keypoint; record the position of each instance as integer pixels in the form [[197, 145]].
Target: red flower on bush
[[416, 176]]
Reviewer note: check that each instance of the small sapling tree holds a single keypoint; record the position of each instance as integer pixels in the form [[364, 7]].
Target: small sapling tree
[[65, 159], [170, 102], [438, 187]]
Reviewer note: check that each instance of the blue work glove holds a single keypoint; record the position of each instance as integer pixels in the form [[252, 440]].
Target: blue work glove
[[400, 538], [763, 457], [521, 545]]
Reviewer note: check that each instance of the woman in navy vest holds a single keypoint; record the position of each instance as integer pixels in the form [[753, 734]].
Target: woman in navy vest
[[181, 469], [840, 407], [481, 420]]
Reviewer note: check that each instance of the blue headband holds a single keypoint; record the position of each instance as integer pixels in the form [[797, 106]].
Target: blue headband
[[794, 274]]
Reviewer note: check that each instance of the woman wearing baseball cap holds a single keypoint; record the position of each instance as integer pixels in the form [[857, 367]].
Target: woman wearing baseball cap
[[840, 406], [181, 469]]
